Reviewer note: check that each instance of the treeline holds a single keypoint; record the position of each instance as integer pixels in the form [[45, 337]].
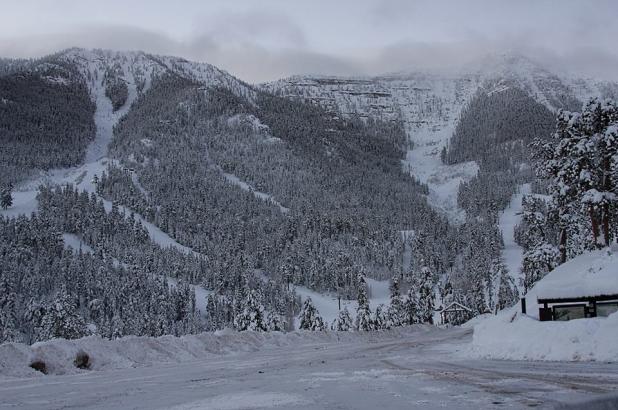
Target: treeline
[[580, 166]]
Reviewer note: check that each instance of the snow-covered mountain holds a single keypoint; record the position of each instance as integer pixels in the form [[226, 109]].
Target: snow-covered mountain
[[140, 68], [429, 105]]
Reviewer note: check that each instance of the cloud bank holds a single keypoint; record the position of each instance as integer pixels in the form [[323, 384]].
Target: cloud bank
[[365, 37]]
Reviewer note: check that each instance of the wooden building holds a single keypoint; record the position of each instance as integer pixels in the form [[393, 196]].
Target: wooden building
[[455, 314]]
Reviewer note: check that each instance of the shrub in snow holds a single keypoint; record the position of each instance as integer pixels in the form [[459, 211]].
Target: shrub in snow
[[82, 360], [39, 366]]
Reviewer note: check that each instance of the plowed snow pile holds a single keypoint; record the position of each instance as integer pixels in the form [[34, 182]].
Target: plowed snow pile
[[134, 351]]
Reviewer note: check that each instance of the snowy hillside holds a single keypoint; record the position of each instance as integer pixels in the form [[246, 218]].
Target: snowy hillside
[[429, 105], [139, 68]]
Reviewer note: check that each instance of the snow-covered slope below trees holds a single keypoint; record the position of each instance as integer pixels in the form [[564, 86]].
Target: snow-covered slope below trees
[[512, 335], [429, 106]]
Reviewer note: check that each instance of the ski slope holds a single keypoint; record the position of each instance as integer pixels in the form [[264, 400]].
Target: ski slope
[[513, 254], [327, 305], [420, 367]]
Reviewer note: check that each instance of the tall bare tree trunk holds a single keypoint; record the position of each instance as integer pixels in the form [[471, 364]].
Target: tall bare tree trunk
[[605, 224], [563, 245], [595, 226]]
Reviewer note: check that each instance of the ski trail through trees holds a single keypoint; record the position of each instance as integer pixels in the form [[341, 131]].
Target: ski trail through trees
[[509, 219]]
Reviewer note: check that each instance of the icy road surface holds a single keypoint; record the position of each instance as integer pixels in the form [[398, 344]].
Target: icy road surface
[[425, 371]]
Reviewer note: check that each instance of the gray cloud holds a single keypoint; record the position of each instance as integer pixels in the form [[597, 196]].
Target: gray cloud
[[365, 37]]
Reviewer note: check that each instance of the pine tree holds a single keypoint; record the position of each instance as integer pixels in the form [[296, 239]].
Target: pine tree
[[251, 316], [274, 322], [343, 322], [8, 320], [579, 163], [380, 318], [507, 291], [425, 302], [310, 318], [537, 262], [61, 319], [396, 310], [411, 308], [363, 312], [6, 197]]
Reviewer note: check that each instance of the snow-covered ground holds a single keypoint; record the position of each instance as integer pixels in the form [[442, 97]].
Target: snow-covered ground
[[512, 254], [75, 242], [419, 367], [512, 335]]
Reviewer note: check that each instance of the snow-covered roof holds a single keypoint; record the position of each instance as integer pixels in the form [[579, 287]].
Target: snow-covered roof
[[456, 306], [591, 274]]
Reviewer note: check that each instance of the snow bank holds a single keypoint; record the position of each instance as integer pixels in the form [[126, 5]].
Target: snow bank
[[134, 351], [512, 335]]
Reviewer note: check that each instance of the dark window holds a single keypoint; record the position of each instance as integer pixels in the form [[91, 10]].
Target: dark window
[[569, 312], [606, 309]]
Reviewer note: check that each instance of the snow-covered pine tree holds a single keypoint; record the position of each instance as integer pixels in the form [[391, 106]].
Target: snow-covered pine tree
[[380, 318], [251, 316], [507, 291], [537, 262], [411, 308], [343, 322], [61, 319], [396, 310], [310, 318], [8, 317], [579, 163], [6, 197], [425, 302], [274, 322], [363, 312]]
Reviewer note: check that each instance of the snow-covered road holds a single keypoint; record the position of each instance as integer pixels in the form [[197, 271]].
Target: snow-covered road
[[424, 370]]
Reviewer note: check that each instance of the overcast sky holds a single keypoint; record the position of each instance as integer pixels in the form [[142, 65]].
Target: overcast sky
[[259, 40]]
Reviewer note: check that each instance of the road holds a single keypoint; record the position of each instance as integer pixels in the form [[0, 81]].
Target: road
[[426, 370]]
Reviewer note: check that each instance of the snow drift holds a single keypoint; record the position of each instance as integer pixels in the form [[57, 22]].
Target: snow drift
[[140, 351], [512, 335]]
